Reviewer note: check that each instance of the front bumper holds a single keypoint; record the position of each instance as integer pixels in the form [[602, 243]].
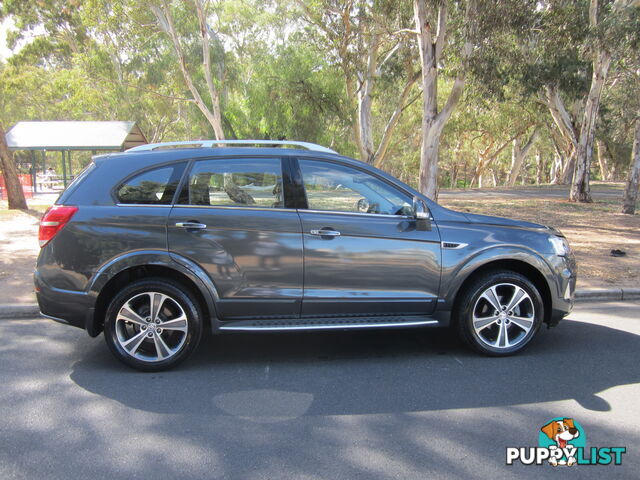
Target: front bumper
[[563, 299]]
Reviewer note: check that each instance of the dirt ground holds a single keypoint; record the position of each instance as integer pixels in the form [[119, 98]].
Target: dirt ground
[[18, 250], [593, 231]]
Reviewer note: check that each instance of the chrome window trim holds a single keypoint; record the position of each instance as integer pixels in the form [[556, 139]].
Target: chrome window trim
[[165, 205], [358, 214], [237, 207]]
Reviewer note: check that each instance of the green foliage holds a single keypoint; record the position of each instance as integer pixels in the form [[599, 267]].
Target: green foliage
[[281, 68]]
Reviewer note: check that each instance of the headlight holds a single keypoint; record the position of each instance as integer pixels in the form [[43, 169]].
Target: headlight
[[560, 245]]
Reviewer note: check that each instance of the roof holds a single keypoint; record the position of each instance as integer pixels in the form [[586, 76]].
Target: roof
[[74, 136]]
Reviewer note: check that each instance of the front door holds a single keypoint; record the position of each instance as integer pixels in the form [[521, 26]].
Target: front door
[[231, 220], [363, 254]]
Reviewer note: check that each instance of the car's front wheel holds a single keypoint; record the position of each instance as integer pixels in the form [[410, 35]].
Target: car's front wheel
[[499, 313], [153, 324]]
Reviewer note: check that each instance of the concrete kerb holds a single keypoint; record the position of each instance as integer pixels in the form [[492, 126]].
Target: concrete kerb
[[607, 294], [17, 310]]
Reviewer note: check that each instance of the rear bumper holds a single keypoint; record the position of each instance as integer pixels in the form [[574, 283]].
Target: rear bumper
[[64, 306]]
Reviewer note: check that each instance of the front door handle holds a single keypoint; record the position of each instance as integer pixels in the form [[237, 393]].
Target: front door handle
[[325, 232], [191, 225]]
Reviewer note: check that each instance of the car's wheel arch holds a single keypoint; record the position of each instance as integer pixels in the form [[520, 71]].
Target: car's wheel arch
[[160, 264], [525, 263]]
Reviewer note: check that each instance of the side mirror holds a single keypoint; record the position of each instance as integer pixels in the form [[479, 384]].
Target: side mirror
[[421, 214]]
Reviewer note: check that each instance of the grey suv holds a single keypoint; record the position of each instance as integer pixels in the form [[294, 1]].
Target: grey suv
[[156, 244]]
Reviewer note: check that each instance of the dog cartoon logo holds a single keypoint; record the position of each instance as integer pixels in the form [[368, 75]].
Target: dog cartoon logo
[[563, 432], [562, 441]]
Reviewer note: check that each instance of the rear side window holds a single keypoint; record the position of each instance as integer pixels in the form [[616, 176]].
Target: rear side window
[[236, 182], [75, 182], [152, 187]]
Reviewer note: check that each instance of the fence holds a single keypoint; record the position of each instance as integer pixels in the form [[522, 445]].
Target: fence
[[25, 181]]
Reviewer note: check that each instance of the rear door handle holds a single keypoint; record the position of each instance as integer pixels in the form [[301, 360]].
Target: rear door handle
[[191, 225], [325, 232]]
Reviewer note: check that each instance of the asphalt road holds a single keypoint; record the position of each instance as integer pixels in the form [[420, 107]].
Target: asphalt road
[[375, 405]]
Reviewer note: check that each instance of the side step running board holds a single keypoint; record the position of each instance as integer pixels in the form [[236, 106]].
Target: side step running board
[[326, 323]]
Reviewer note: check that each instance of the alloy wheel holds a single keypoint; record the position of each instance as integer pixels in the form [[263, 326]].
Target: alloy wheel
[[503, 315], [151, 326]]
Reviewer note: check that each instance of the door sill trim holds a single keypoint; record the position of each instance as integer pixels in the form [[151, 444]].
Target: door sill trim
[[325, 324]]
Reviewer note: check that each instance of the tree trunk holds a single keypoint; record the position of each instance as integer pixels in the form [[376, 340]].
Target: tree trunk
[[515, 159], [603, 160], [430, 45], [568, 170], [580, 191], [631, 191], [428, 178], [205, 41], [518, 154], [567, 130], [165, 22], [15, 194], [365, 101], [454, 172], [556, 164], [494, 180], [401, 104]]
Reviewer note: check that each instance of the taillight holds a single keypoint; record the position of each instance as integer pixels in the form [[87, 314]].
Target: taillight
[[53, 221]]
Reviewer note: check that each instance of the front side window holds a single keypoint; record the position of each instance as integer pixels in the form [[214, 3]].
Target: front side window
[[152, 187], [235, 182], [340, 188]]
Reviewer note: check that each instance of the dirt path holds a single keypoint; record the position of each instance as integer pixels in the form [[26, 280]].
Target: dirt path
[[18, 251]]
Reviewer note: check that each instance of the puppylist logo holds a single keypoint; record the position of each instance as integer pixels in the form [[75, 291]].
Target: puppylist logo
[[562, 441]]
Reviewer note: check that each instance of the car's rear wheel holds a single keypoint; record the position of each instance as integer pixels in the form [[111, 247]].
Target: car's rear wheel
[[153, 324], [499, 313]]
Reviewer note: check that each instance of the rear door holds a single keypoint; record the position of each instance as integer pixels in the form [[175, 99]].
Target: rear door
[[363, 253], [232, 220]]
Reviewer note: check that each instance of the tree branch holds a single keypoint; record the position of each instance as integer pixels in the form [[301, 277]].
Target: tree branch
[[560, 115], [206, 63], [165, 22], [393, 120], [467, 49], [442, 28]]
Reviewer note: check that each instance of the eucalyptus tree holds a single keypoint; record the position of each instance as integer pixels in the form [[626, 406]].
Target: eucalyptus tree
[[370, 43], [80, 61], [573, 47], [456, 38], [165, 13], [607, 26]]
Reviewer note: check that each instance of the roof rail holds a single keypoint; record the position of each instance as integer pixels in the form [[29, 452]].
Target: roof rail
[[214, 143]]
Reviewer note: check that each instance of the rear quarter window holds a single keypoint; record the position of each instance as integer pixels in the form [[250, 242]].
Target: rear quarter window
[[64, 196], [151, 187]]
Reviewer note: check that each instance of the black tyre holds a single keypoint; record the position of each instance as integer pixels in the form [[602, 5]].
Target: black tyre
[[153, 324], [499, 313]]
